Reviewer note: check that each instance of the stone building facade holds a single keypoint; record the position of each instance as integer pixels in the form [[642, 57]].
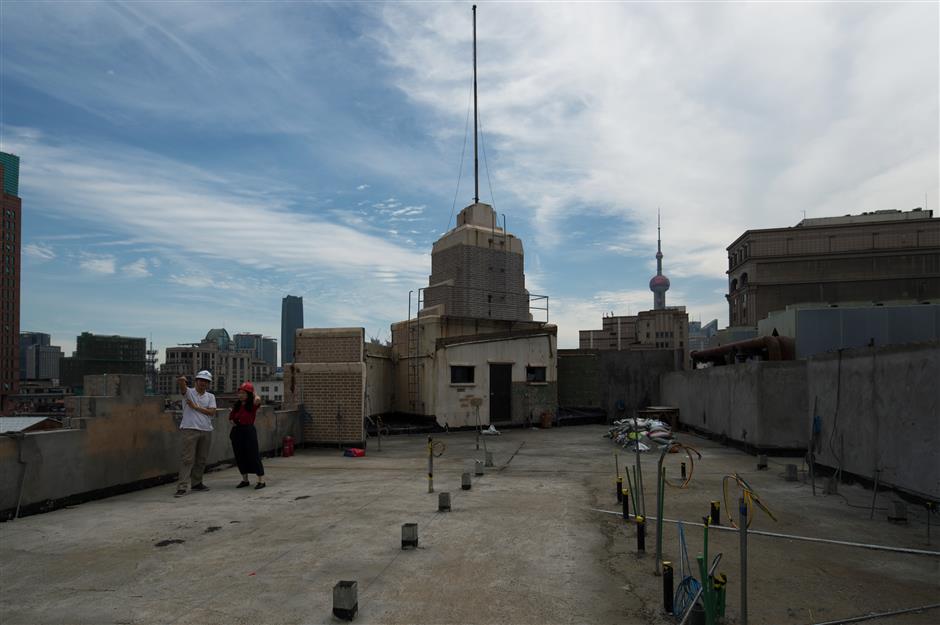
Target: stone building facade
[[872, 257], [665, 328]]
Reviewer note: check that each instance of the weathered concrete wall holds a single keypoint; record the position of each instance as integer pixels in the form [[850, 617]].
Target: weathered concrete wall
[[617, 382], [758, 403], [453, 402], [530, 400], [117, 444], [114, 385], [880, 408], [579, 375], [380, 380]]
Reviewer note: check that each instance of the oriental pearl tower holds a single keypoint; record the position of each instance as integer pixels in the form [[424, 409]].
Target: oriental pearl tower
[[659, 283]]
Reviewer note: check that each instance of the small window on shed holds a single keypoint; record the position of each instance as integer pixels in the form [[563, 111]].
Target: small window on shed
[[460, 374], [535, 374]]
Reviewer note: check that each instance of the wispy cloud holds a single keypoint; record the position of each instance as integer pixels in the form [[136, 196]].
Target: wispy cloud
[[408, 211], [137, 269], [98, 263], [38, 252], [362, 187], [118, 188]]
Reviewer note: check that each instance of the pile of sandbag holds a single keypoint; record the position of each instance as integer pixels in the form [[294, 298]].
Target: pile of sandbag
[[642, 434]]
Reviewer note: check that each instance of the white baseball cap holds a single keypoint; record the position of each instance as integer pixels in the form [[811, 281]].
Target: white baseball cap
[[204, 375]]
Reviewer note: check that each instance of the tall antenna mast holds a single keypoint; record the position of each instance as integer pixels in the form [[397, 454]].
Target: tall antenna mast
[[659, 245], [476, 160]]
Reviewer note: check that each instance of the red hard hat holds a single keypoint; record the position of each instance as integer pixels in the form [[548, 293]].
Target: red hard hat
[[247, 387]]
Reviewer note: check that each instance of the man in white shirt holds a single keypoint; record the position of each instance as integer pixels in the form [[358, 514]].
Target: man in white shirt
[[196, 428]]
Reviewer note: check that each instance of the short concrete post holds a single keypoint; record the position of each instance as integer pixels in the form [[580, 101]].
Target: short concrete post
[[409, 535], [790, 475], [477, 467], [346, 600], [762, 462], [489, 458], [443, 502], [465, 481]]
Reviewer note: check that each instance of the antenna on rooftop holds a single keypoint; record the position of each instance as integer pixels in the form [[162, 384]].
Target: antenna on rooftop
[[476, 160]]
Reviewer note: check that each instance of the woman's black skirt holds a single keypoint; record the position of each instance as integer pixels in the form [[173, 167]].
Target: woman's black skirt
[[245, 445]]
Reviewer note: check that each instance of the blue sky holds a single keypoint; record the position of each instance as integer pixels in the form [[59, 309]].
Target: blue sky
[[186, 165]]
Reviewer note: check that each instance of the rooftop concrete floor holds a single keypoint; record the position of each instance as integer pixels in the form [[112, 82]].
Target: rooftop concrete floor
[[525, 545]]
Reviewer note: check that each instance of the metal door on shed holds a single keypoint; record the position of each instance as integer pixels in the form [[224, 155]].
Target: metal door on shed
[[500, 393]]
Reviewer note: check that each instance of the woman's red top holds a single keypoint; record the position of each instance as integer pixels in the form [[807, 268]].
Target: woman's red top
[[244, 416]]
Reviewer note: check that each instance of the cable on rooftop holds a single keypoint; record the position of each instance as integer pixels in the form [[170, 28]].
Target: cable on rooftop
[[463, 151], [486, 165], [750, 498]]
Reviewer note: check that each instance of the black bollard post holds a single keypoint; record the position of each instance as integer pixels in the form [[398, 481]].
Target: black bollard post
[[619, 485], [715, 513], [667, 587], [641, 534], [625, 498], [682, 467]]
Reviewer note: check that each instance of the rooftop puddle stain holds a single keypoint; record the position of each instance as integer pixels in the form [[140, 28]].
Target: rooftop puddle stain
[[212, 528], [169, 541]]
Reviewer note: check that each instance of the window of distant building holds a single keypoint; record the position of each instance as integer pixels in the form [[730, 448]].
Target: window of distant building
[[535, 374], [461, 374]]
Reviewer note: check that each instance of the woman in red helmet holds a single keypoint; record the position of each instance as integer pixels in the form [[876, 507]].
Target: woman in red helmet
[[244, 436]]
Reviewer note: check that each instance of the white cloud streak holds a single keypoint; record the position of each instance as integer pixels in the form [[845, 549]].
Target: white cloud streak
[[199, 214], [38, 252], [137, 269], [98, 264]]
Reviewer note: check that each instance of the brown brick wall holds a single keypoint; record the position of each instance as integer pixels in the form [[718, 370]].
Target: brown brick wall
[[313, 345], [333, 400]]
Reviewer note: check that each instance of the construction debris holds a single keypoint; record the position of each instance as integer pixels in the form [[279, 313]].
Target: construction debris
[[644, 434]]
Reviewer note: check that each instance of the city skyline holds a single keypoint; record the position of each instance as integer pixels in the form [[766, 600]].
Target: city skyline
[[730, 118]]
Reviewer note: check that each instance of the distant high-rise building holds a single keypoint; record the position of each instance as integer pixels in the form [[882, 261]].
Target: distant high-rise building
[[220, 337], [292, 319], [659, 283], [39, 360], [42, 362], [27, 340], [699, 334], [269, 351], [229, 368], [253, 343], [10, 232], [97, 354]]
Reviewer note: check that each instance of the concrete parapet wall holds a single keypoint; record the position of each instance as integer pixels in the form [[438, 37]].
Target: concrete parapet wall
[[880, 408], [617, 382], [114, 446], [763, 404]]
